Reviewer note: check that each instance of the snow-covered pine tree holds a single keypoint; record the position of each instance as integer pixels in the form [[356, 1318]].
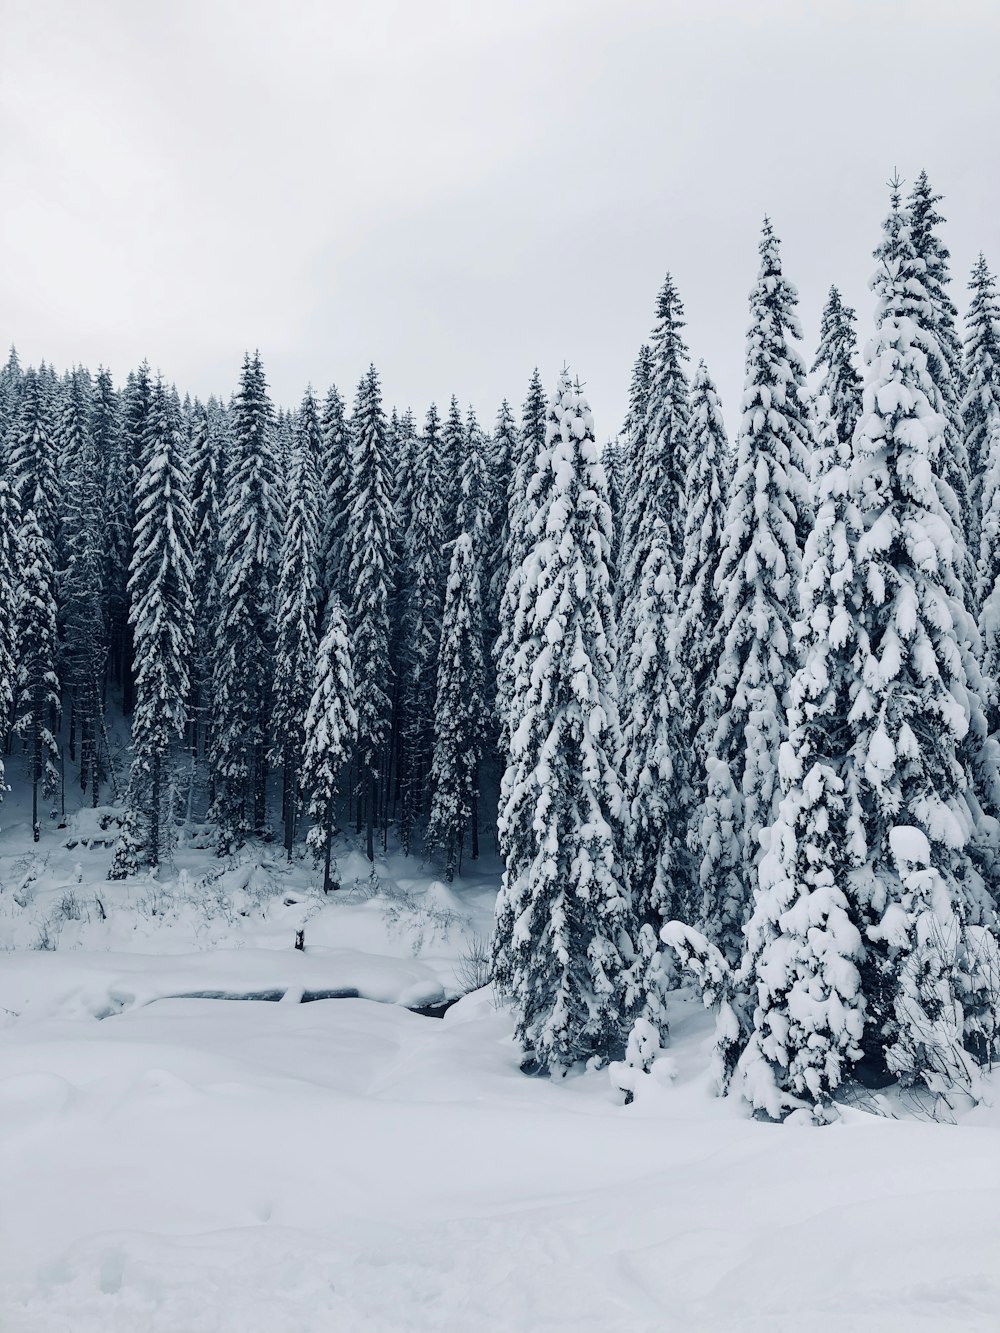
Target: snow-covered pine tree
[[657, 471], [162, 619], [941, 319], [295, 638], [981, 417], [634, 425], [368, 552], [562, 947], [835, 358], [37, 692], [115, 505], [11, 376], [85, 643], [613, 458], [503, 461], [528, 488], [331, 729], [9, 583], [449, 464], [920, 727], [461, 700], [422, 602], [243, 666], [656, 776], [460, 709], [134, 417], [334, 484], [800, 972], [757, 577], [698, 642], [207, 471]]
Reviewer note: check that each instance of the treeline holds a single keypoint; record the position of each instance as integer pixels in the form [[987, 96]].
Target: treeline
[[743, 700]]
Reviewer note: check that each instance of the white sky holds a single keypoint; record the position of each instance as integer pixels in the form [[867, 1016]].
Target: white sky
[[460, 189]]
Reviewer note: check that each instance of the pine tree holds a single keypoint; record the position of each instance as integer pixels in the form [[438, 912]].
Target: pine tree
[[634, 425], [114, 483], [330, 732], [422, 604], [757, 576], [37, 692], [657, 474], [656, 780], [161, 614], [9, 583], [135, 416], [295, 644], [334, 484], [920, 728], [207, 472], [85, 642], [562, 947], [11, 378], [803, 947], [503, 461], [981, 416], [449, 464], [528, 490], [841, 382], [698, 642], [945, 367], [368, 550], [242, 671], [461, 706]]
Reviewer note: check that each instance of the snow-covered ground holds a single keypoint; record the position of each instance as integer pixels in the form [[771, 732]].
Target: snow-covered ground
[[170, 1163]]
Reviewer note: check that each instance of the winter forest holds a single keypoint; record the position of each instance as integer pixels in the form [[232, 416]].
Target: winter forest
[[726, 709]]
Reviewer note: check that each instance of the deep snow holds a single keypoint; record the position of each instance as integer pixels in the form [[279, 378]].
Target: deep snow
[[178, 1164]]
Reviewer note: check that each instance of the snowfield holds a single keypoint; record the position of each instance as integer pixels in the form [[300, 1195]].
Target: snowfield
[[173, 1164]]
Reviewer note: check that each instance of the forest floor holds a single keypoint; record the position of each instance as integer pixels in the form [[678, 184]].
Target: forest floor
[[173, 1161]]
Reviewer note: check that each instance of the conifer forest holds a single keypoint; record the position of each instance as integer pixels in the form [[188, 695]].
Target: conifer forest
[[599, 826]]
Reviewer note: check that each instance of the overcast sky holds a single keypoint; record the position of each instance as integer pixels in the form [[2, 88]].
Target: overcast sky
[[461, 190]]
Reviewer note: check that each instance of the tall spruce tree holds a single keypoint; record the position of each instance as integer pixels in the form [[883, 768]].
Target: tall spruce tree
[[634, 425], [207, 471], [835, 358], [297, 597], [756, 579], [368, 551], [657, 473], [449, 465], [9, 585], [920, 726], [85, 640], [801, 968], [37, 691], [941, 319], [134, 418], [981, 417], [330, 732], [528, 489], [334, 484], [697, 641], [562, 947], [422, 603], [243, 666], [161, 615]]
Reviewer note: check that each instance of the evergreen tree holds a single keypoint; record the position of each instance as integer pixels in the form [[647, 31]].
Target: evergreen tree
[[85, 643], [803, 948], [330, 732], [115, 515], [634, 425], [756, 579], [449, 464], [562, 947], [368, 550], [242, 671], [503, 461], [460, 710], [9, 584], [698, 642], [161, 614], [841, 382], [207, 472], [135, 416], [657, 474], [37, 693], [920, 728], [945, 367], [334, 484], [656, 780], [528, 489], [421, 629], [981, 417], [295, 646], [11, 377]]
